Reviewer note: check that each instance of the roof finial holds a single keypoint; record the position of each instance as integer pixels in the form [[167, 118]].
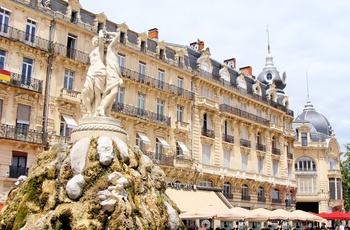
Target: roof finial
[[268, 39], [307, 86]]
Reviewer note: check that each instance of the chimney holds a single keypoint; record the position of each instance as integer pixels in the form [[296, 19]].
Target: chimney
[[153, 34], [198, 45], [231, 63], [246, 71]]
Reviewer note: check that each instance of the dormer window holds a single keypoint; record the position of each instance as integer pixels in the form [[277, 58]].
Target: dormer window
[[74, 17], [143, 46], [303, 139], [100, 26]]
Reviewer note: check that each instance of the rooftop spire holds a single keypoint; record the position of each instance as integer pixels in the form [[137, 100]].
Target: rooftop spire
[[268, 39], [307, 86], [269, 58]]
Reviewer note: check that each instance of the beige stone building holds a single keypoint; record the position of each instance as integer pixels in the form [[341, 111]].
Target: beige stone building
[[210, 125], [317, 163]]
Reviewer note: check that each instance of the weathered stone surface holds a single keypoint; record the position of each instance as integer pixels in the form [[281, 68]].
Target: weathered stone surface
[[105, 150], [80, 192]]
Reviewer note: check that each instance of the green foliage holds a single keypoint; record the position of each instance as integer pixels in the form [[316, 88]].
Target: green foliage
[[345, 170]]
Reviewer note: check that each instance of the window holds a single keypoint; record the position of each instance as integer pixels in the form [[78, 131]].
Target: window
[[22, 121], [260, 165], [141, 103], [160, 79], [206, 154], [121, 60], [226, 100], [244, 133], [227, 156], [142, 71], [71, 45], [244, 162], [159, 150], [68, 79], [335, 188], [120, 95], [64, 130], [305, 164], [4, 20], [245, 192], [258, 138], [100, 26], [179, 113], [2, 59], [74, 17], [276, 196], [331, 164], [206, 92], [303, 139], [143, 46], [243, 106], [205, 182], [206, 122], [27, 71], [275, 168], [19, 164], [30, 31], [160, 108], [227, 190], [307, 185], [226, 128], [180, 82], [289, 171], [139, 142], [205, 66], [261, 194]]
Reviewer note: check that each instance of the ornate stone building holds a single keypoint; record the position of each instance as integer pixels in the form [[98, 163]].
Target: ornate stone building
[[209, 125], [317, 163]]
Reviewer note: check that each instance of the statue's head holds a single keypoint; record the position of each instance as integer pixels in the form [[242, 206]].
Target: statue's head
[[95, 41]]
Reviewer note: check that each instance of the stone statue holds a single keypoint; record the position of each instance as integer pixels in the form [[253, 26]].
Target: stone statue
[[113, 76], [103, 76]]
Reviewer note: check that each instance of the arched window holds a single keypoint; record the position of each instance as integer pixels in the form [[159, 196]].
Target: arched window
[[206, 182], [305, 164], [245, 192], [227, 190], [261, 194], [276, 196]]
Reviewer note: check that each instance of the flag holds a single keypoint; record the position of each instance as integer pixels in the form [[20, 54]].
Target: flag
[[5, 75]]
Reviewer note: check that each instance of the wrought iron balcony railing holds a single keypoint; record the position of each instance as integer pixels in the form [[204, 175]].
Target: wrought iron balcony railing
[[244, 92], [140, 113], [245, 197], [142, 78], [243, 114], [208, 133], [276, 200], [228, 195], [244, 143], [23, 37], [276, 151], [19, 134], [261, 199], [161, 159], [71, 53], [25, 82], [228, 138], [261, 147], [17, 171]]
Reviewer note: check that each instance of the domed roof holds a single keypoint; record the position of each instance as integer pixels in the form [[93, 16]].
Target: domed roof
[[270, 74], [317, 120]]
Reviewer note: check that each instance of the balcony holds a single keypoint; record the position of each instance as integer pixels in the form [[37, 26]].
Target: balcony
[[244, 143], [71, 53], [154, 83], [243, 114], [17, 35], [245, 197], [208, 133], [276, 200], [183, 126], [276, 151], [261, 199], [228, 138], [140, 113], [209, 103], [17, 171], [161, 159], [26, 135], [228, 195], [24, 82], [70, 95], [261, 147]]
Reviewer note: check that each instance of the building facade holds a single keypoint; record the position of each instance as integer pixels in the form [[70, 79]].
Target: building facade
[[317, 163], [209, 125]]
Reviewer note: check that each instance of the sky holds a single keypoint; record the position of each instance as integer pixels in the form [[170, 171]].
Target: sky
[[309, 40]]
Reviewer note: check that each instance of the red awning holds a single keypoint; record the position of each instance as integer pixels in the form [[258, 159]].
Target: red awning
[[334, 215]]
